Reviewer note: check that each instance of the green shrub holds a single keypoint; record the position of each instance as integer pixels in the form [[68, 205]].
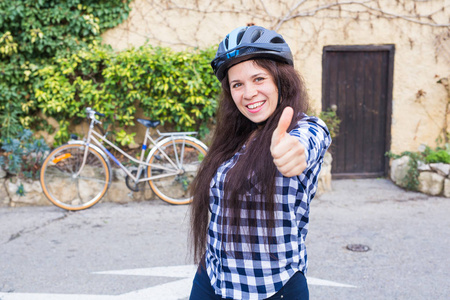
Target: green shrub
[[32, 33], [428, 155], [23, 155], [178, 88], [332, 120], [52, 61], [439, 156]]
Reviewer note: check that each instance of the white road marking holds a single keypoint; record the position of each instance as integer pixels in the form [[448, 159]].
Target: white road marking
[[31, 296], [175, 290], [317, 281], [186, 271]]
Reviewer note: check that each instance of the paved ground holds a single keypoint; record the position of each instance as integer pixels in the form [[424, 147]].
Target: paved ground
[[47, 253], [408, 234]]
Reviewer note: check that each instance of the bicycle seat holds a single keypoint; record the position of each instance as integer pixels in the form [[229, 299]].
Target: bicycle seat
[[148, 123]]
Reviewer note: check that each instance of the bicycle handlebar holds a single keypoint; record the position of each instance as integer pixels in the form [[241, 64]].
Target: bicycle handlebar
[[91, 115], [90, 111]]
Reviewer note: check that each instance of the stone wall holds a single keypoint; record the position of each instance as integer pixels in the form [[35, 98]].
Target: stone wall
[[117, 192], [434, 178]]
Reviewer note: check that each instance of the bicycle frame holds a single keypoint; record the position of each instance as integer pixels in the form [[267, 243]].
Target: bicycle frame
[[164, 137]]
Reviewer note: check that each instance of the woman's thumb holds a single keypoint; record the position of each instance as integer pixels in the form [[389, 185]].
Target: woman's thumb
[[283, 125]]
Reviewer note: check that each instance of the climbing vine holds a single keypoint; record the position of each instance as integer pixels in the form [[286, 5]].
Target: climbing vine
[[280, 15], [35, 32]]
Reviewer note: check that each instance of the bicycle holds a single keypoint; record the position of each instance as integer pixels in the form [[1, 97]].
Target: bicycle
[[76, 175]]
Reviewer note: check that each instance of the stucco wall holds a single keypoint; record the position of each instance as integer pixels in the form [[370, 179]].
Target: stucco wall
[[422, 56]]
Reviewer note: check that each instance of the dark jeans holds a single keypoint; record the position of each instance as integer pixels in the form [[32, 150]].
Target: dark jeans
[[295, 289]]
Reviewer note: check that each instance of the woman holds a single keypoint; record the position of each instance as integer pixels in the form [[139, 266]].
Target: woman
[[249, 217]]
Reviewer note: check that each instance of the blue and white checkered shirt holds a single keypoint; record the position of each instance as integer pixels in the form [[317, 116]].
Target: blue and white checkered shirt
[[256, 274]]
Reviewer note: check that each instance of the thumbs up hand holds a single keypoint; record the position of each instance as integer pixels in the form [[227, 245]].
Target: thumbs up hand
[[287, 151]]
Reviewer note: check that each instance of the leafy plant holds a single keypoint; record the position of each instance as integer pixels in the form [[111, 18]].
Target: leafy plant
[[438, 156], [125, 139], [23, 155], [32, 34], [428, 155], [332, 120], [177, 88], [52, 61], [411, 179]]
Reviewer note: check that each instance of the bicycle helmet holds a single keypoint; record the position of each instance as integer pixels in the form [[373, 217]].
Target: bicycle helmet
[[249, 42]]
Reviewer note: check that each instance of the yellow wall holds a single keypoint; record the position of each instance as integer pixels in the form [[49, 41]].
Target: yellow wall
[[422, 56]]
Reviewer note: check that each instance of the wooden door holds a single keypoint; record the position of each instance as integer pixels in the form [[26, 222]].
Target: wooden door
[[357, 81]]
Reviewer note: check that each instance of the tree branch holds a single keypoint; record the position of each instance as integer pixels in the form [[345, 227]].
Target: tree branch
[[414, 19], [314, 11]]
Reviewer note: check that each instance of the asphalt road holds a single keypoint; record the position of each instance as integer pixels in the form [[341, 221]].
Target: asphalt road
[[140, 250]]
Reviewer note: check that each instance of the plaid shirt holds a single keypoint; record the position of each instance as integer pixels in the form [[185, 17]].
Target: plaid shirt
[[255, 274]]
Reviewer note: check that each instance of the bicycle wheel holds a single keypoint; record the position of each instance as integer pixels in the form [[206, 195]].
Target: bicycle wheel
[[187, 156], [61, 184]]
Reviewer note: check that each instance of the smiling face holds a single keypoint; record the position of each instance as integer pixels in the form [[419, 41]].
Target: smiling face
[[253, 90]]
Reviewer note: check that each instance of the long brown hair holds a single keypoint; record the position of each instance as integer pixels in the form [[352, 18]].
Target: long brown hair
[[243, 185]]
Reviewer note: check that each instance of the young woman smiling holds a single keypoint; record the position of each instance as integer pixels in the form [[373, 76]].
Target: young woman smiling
[[253, 91], [249, 216]]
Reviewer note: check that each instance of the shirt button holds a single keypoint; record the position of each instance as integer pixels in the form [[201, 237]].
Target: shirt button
[[282, 296]]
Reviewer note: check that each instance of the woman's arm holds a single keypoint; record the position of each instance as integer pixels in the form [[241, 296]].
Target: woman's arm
[[301, 148]]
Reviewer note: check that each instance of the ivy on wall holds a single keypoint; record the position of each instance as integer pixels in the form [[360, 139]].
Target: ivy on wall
[[32, 34], [52, 61]]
